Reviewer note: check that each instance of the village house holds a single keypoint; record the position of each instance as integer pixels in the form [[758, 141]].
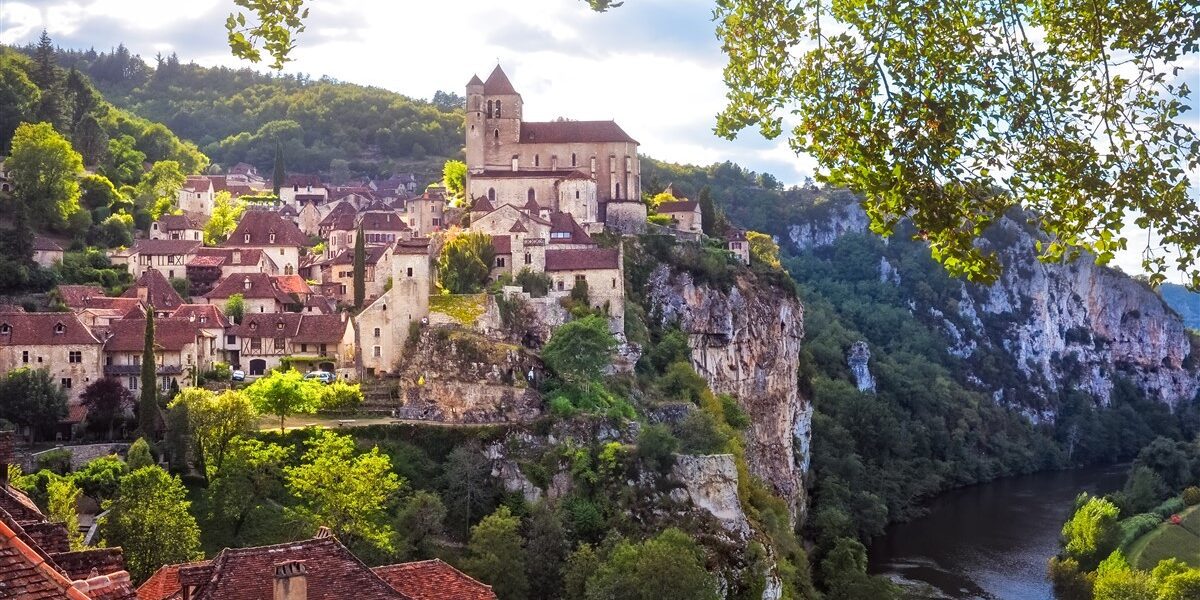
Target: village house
[[169, 257], [600, 270], [384, 324], [198, 195], [38, 563], [260, 293], [319, 568], [511, 161], [181, 350], [46, 251], [738, 245], [425, 213], [395, 187], [185, 226], [309, 341], [209, 319], [278, 237], [152, 289], [339, 271], [57, 342], [684, 214]]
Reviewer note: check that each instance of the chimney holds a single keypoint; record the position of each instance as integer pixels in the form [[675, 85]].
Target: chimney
[[291, 581], [6, 455]]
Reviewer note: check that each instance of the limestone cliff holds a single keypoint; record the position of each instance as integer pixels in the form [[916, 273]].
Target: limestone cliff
[[745, 341]]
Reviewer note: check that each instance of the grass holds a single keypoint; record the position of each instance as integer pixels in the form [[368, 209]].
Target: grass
[[463, 308], [1169, 541]]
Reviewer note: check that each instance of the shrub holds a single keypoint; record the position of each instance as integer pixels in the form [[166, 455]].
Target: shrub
[[1169, 507], [57, 460], [1191, 496], [699, 433], [537, 285], [1136, 526], [656, 447]]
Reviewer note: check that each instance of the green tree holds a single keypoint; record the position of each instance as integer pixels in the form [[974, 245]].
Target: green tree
[[148, 402], [284, 393], [227, 211], [708, 212], [278, 174], [82, 98], [360, 268], [19, 98], [214, 420], [546, 548], [251, 474], [580, 350], [51, 107], [496, 555], [278, 22], [62, 494], [420, 521], [668, 566], [347, 493], [1092, 532], [160, 186], [45, 171], [469, 488], [763, 250], [100, 478], [844, 571], [150, 521], [90, 140], [656, 447], [454, 178], [465, 262], [581, 565], [139, 455], [340, 395], [235, 307], [31, 398], [1115, 580], [123, 162], [96, 191]]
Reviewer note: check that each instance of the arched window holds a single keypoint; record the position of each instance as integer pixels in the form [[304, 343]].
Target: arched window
[[491, 194], [489, 113], [532, 196], [572, 159], [618, 191], [497, 109], [496, 135]]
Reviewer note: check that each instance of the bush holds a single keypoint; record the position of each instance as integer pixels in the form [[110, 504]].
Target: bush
[[1191, 496], [656, 447], [1136, 526], [699, 433], [537, 285], [57, 460], [1169, 507]]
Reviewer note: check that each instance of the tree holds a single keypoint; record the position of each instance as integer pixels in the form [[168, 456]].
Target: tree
[[360, 268], [580, 350], [469, 489], [139, 455], [465, 262], [81, 96], [31, 398], [708, 212], [278, 22], [62, 494], [101, 477], [656, 447], [546, 548], [45, 74], [19, 98], [581, 565], [420, 520], [496, 555], [668, 566], [107, 401], [123, 162], [96, 191], [150, 521], [148, 403], [214, 421], [278, 174], [160, 186], [45, 171], [283, 393], [1172, 461], [454, 178], [227, 211], [347, 493], [235, 307], [763, 250], [90, 140], [250, 475], [1092, 532]]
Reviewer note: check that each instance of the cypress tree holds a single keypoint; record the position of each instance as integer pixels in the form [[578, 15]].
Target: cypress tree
[[277, 177], [148, 405], [708, 213], [360, 268]]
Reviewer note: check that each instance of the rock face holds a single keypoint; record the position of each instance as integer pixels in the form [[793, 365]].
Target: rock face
[[746, 342], [841, 217], [710, 484], [858, 360]]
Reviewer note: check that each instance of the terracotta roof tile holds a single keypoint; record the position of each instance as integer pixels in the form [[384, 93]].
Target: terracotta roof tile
[[291, 284], [178, 222], [77, 296], [249, 285], [564, 230], [170, 334], [161, 247], [565, 132], [382, 221], [207, 316], [234, 257], [498, 84], [320, 329], [45, 244], [582, 259], [44, 329], [154, 288], [259, 225], [502, 244], [269, 325], [433, 580]]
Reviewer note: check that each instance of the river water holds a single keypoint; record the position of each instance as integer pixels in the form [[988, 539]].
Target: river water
[[991, 540]]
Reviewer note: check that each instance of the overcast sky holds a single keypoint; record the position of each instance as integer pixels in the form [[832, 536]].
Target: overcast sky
[[654, 66]]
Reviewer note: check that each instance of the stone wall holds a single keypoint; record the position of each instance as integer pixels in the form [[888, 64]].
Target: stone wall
[[80, 455]]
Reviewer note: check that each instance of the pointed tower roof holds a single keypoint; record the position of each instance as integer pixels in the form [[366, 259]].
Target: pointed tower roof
[[475, 80], [498, 84]]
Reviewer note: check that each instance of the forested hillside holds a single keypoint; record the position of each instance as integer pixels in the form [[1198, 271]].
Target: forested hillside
[[240, 115]]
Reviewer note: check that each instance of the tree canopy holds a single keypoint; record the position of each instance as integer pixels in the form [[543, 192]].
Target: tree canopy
[[150, 521], [283, 393], [45, 170], [465, 262]]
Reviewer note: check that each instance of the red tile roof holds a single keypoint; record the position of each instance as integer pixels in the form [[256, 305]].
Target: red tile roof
[[77, 296], [43, 329], [482, 204], [433, 580], [502, 244], [197, 183], [167, 247], [260, 286], [178, 222], [291, 284], [566, 132], [498, 84], [207, 316], [339, 209], [680, 206], [259, 225], [346, 257], [564, 223], [171, 335], [269, 325], [382, 221], [206, 261], [517, 227], [245, 256], [154, 288], [320, 329], [582, 259]]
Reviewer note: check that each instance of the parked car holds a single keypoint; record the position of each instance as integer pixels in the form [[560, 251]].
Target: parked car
[[238, 375], [323, 376]]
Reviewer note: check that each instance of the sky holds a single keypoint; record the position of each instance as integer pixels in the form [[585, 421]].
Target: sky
[[654, 66]]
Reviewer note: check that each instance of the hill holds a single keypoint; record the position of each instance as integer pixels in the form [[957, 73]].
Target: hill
[[1184, 301]]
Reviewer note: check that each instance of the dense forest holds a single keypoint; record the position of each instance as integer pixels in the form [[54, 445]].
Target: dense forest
[[239, 115]]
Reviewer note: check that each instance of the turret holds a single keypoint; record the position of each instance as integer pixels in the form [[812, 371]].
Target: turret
[[475, 126]]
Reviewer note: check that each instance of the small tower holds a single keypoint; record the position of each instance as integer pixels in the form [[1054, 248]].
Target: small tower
[[475, 126], [502, 108]]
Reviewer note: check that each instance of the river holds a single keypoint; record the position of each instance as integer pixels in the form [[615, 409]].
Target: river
[[991, 540]]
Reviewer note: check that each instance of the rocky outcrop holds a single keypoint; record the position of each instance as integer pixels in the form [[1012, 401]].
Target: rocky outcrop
[[835, 219], [858, 360], [710, 484], [745, 341]]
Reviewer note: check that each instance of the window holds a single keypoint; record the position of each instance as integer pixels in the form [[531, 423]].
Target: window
[[279, 344], [580, 279], [272, 238], [59, 328], [247, 238], [75, 356], [618, 195], [561, 286], [25, 356], [528, 258], [614, 283], [576, 194], [499, 261], [410, 271], [593, 165], [133, 383], [497, 109], [612, 164], [496, 135], [377, 332], [65, 383], [628, 165], [516, 162], [304, 347], [537, 160], [5, 329], [231, 339], [489, 111], [531, 195], [491, 194], [322, 348], [573, 159], [256, 344], [377, 352]]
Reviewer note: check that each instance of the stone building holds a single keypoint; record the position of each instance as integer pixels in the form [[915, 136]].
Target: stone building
[[684, 214], [181, 348], [46, 251], [197, 195], [169, 257], [260, 293], [513, 161], [383, 326], [186, 226], [600, 269], [57, 342], [738, 245], [275, 235]]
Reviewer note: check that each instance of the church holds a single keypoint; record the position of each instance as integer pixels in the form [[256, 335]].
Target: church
[[576, 167]]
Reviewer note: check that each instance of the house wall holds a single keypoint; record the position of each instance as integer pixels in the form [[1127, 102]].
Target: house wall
[[383, 326], [578, 198], [170, 265], [604, 286], [200, 202], [47, 258], [56, 359]]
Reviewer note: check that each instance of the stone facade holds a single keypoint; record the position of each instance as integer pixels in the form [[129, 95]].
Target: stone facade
[[383, 327]]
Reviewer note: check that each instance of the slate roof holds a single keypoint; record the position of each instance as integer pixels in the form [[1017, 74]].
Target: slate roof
[[498, 84], [337, 212], [582, 259], [413, 246], [260, 224], [561, 222], [43, 329], [158, 291], [213, 257], [382, 221], [433, 580], [566, 132], [346, 257], [502, 244], [482, 204], [170, 334]]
